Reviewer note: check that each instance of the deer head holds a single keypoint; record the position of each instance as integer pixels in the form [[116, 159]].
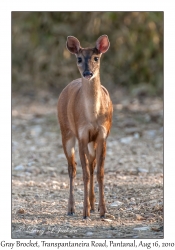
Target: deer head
[[88, 59]]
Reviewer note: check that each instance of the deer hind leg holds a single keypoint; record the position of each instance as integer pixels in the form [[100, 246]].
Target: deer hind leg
[[92, 164], [69, 150]]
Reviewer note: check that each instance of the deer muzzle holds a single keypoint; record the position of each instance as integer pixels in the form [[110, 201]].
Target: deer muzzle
[[87, 75]]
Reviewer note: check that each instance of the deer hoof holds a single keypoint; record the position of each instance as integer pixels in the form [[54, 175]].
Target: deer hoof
[[70, 213], [103, 216]]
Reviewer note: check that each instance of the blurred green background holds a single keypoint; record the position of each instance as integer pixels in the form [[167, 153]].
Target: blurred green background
[[40, 59]]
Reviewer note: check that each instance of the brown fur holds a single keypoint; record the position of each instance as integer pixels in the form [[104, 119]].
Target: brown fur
[[85, 113]]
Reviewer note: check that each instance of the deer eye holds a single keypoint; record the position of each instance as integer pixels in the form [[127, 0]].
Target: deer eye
[[79, 59], [96, 59]]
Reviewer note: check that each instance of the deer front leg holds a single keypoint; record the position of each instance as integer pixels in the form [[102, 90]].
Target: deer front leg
[[101, 153], [92, 164], [84, 155], [91, 190]]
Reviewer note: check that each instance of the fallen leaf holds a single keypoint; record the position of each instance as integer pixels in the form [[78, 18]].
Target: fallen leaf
[[139, 217], [20, 211], [157, 229], [110, 216]]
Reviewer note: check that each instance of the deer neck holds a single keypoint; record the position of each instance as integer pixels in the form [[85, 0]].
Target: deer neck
[[92, 97]]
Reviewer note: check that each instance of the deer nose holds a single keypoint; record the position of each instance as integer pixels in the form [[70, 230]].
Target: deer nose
[[87, 74]]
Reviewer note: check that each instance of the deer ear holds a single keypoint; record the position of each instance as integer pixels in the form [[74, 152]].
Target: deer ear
[[73, 45], [102, 43]]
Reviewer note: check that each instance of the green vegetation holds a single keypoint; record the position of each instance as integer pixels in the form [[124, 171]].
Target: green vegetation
[[40, 58]]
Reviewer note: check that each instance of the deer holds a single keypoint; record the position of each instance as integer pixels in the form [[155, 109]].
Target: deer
[[85, 115]]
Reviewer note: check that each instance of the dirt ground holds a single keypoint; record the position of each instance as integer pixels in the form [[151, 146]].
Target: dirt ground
[[133, 173]]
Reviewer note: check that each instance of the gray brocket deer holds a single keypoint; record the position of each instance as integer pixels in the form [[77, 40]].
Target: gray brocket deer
[[85, 113]]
